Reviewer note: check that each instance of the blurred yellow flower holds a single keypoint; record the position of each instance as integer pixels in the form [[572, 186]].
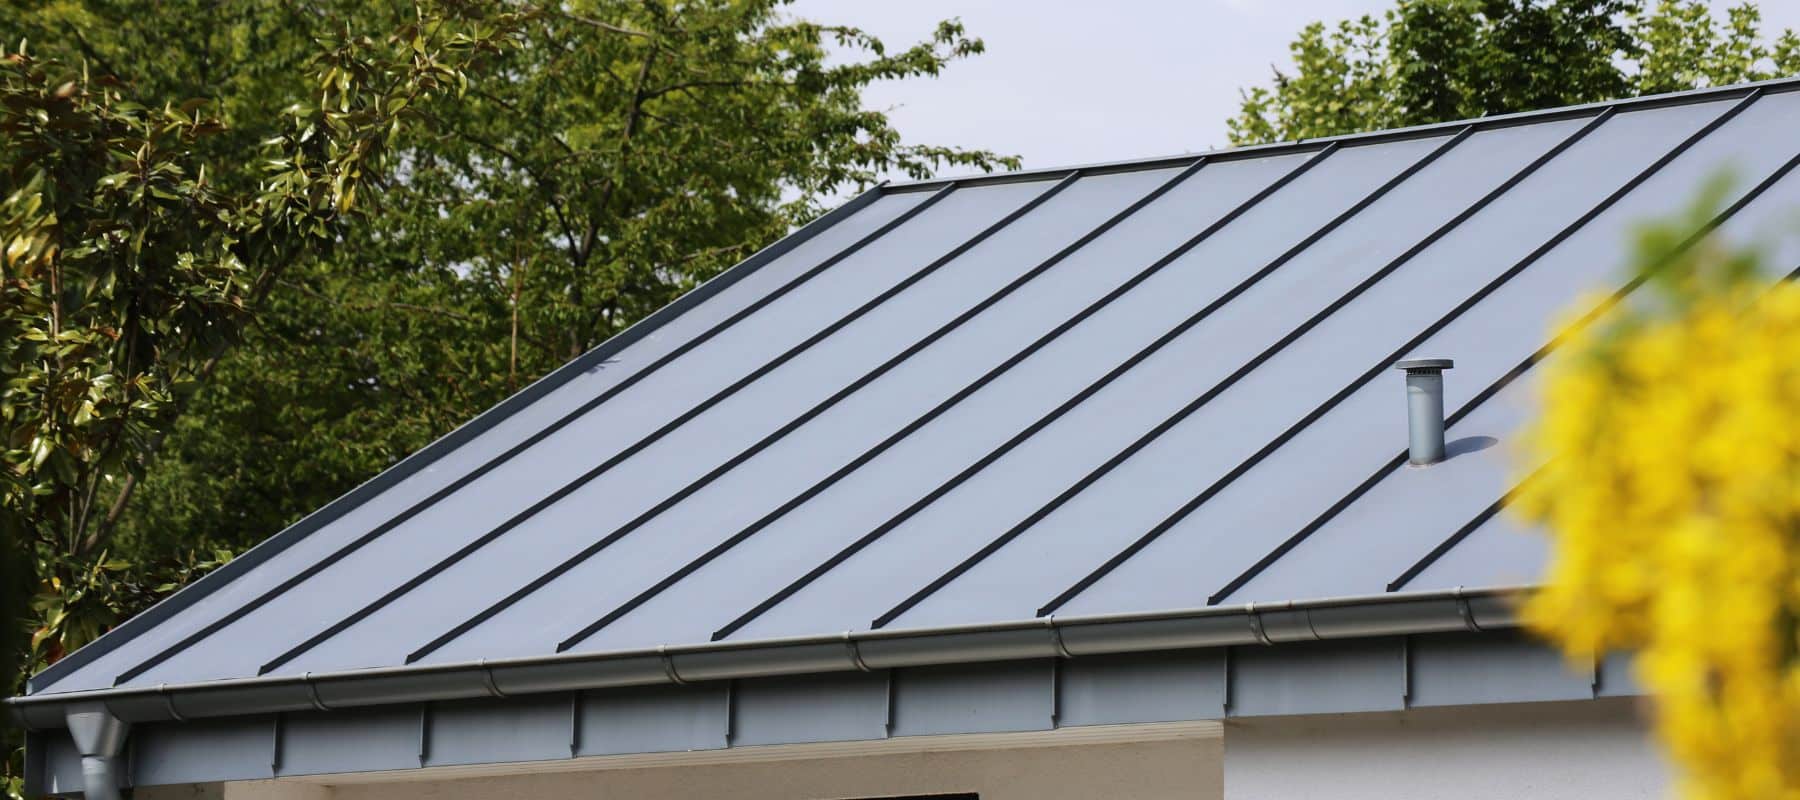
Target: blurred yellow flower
[[1666, 469]]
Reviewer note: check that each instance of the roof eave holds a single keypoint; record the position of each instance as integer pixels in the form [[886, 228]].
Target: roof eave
[[1048, 637]]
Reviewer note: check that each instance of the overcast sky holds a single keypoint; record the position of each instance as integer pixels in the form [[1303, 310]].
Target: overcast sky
[[1076, 81]]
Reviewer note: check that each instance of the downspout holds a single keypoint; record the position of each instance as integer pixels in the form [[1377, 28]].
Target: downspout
[[100, 738]]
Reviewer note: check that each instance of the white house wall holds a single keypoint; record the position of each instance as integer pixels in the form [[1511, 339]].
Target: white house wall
[[1594, 750]]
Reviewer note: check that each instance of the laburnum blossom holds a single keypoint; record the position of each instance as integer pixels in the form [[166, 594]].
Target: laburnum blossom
[[1665, 467]]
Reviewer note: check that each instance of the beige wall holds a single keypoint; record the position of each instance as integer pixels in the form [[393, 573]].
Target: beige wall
[[1587, 750], [1185, 768]]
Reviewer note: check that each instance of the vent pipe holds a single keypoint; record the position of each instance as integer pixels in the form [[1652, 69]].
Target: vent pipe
[[1425, 408], [100, 738]]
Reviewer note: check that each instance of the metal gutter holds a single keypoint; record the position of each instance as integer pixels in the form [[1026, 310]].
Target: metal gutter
[[1624, 105], [1049, 637], [425, 456]]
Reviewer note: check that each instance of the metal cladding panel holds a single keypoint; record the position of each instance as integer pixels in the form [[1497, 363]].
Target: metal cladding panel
[[598, 506], [228, 598], [62, 767], [1146, 687], [862, 418], [1034, 388], [202, 751], [1472, 668], [354, 740], [746, 574], [832, 441], [654, 719], [1318, 678], [1373, 541], [1246, 399], [973, 698], [461, 518], [530, 728], [1255, 503], [1498, 552], [817, 708], [1217, 268], [1113, 406]]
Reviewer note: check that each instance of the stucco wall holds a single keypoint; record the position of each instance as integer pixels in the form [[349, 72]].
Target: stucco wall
[[1591, 750], [1594, 750], [1179, 769]]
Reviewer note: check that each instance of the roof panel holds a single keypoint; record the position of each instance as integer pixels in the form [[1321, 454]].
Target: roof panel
[[1131, 389], [923, 384], [790, 393], [1244, 520], [569, 458], [1385, 531], [715, 312], [1030, 392]]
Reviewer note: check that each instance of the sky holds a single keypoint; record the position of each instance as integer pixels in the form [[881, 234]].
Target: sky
[[1067, 82]]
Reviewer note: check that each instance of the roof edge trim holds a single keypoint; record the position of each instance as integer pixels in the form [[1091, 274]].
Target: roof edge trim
[[1048, 637], [1626, 104], [430, 453]]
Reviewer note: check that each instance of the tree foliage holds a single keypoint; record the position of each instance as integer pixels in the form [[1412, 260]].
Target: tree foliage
[[1667, 471], [1430, 61], [128, 272], [621, 153], [256, 252]]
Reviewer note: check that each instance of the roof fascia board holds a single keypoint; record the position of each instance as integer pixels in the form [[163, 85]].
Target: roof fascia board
[[425, 456], [1049, 637], [1625, 105]]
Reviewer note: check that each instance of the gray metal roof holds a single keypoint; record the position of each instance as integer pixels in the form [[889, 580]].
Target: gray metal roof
[[1130, 388]]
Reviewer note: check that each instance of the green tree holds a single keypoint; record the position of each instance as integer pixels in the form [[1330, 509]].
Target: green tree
[[630, 153], [240, 346], [1430, 61], [128, 269]]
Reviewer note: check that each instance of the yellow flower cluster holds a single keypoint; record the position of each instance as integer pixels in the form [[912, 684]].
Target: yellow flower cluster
[[1670, 486]]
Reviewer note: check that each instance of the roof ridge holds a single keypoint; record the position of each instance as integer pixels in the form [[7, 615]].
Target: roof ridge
[[1623, 104]]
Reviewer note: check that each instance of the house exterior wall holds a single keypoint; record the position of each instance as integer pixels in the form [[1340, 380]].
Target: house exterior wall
[[1186, 768], [1591, 750], [1594, 750]]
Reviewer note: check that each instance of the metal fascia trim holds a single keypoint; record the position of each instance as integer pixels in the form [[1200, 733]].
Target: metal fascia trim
[[959, 644]]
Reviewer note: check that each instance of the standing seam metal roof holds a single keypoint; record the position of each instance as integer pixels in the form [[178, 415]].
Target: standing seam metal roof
[[1126, 388]]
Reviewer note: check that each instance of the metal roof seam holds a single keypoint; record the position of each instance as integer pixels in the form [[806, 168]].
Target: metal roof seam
[[968, 391], [1137, 545], [896, 437], [1491, 510], [1293, 541], [1462, 532], [641, 444], [411, 511], [1171, 335], [819, 570], [617, 458], [1055, 333], [427, 455], [792, 425]]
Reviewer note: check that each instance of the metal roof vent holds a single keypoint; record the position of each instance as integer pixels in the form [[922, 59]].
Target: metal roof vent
[[1425, 408]]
